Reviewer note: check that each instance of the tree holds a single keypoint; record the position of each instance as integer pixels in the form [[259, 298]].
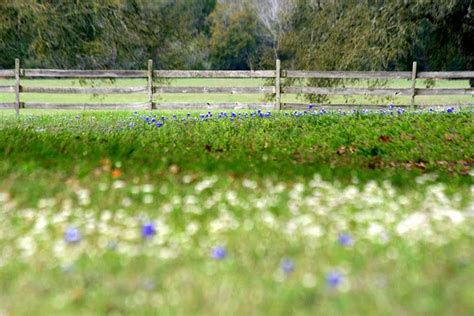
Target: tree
[[234, 41], [15, 31], [104, 34], [274, 17]]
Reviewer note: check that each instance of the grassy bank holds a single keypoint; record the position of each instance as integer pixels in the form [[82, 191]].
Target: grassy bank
[[242, 213]]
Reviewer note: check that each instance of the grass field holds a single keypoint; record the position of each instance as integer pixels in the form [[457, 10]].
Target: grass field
[[246, 213], [220, 98]]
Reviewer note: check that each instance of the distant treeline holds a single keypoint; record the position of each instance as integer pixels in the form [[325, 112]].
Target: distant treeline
[[239, 34]]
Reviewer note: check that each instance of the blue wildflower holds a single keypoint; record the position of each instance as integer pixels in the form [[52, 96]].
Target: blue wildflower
[[72, 235], [451, 110], [345, 240], [148, 230], [334, 279], [310, 106], [159, 124], [218, 253], [287, 265]]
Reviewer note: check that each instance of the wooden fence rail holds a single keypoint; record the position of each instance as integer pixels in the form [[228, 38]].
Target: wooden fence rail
[[277, 89]]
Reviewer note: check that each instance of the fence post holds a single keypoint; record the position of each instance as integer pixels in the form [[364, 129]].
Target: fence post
[[413, 86], [278, 86], [150, 83], [17, 86]]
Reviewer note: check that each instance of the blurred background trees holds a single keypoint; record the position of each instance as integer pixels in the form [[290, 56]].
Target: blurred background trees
[[238, 34]]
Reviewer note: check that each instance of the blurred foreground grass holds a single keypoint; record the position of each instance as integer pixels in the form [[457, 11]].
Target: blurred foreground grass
[[364, 214]]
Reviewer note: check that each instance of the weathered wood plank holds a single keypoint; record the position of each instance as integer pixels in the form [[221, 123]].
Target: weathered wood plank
[[231, 90], [278, 85], [8, 105], [84, 106], [446, 74], [149, 85], [7, 89], [82, 90], [413, 84], [349, 74], [57, 73], [91, 74], [439, 91], [17, 86], [213, 106], [7, 73], [214, 74], [348, 91], [300, 106]]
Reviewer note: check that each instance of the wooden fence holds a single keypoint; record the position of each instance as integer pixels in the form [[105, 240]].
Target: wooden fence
[[277, 89]]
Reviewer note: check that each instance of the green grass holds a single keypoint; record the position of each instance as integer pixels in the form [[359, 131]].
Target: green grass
[[268, 190], [223, 98]]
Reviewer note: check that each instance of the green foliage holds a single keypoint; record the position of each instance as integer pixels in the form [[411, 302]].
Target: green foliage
[[16, 31], [203, 34], [234, 40], [106, 34]]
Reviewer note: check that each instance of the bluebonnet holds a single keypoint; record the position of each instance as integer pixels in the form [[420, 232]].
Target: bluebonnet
[[148, 230], [345, 240], [310, 106], [287, 265], [334, 279], [218, 253], [260, 114], [72, 235]]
